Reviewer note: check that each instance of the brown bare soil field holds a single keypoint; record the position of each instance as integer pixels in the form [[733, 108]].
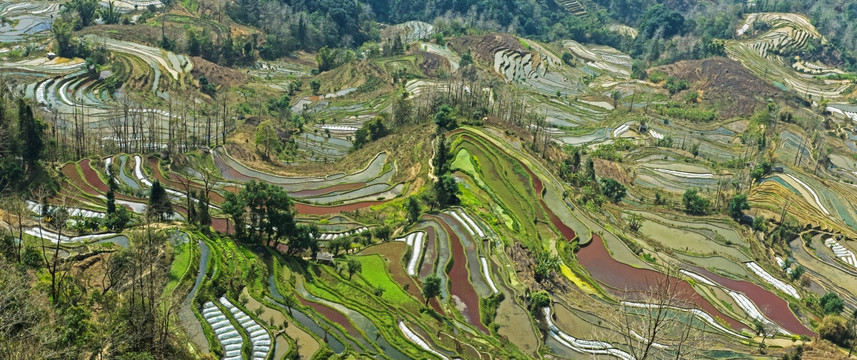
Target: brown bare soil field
[[484, 46], [431, 62], [726, 83]]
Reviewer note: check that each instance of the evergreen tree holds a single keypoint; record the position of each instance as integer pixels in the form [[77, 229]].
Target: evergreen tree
[[446, 191], [431, 287], [111, 202], [31, 131], [202, 214], [442, 156], [737, 205], [159, 202], [413, 207]]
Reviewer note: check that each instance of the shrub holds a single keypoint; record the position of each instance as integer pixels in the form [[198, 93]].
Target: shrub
[[656, 76], [797, 272], [32, 257], [737, 205], [834, 329], [674, 86], [613, 189], [695, 203], [831, 303], [539, 300]]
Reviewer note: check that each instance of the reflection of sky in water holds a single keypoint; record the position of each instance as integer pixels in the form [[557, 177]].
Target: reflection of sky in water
[[582, 139], [27, 25]]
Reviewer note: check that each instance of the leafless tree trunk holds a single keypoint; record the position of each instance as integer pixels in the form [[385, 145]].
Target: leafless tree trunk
[[655, 323]]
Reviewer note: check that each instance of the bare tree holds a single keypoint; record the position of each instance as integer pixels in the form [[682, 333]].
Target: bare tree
[[657, 321], [56, 218], [14, 205], [25, 330]]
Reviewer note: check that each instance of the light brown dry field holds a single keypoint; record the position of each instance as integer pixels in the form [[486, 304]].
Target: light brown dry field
[[609, 169], [216, 74], [407, 148]]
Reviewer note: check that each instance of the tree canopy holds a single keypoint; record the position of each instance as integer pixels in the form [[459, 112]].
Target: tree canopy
[[160, 205]]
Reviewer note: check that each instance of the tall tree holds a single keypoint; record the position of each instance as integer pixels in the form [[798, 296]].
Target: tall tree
[[431, 287], [32, 132], [613, 189], [413, 207], [233, 207], [202, 214], [303, 239], [159, 202], [111, 202], [442, 157], [354, 267], [266, 136], [446, 191], [737, 205]]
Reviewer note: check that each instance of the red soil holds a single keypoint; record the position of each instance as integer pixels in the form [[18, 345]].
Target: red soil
[[73, 177], [623, 277], [92, 177], [228, 172]]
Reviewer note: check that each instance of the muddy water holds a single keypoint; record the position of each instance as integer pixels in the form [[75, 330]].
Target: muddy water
[[203, 267], [362, 322], [120, 240], [127, 180], [303, 319], [430, 254], [474, 266], [771, 305], [462, 291], [514, 323], [191, 323], [595, 258], [443, 255]]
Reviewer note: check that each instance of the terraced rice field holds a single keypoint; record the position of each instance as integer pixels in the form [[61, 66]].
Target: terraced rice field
[[777, 283], [26, 19], [602, 58], [598, 262], [841, 252], [410, 31], [462, 292], [64, 86], [695, 238], [415, 244], [788, 31], [590, 347], [770, 305]]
